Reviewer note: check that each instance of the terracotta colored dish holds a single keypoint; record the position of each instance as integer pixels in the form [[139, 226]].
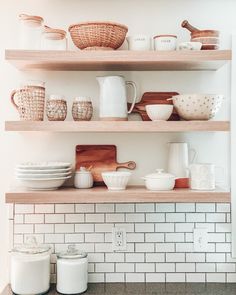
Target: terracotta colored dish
[[154, 98], [99, 158], [182, 183]]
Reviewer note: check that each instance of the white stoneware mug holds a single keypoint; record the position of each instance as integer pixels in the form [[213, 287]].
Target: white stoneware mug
[[165, 42], [139, 42], [203, 176]]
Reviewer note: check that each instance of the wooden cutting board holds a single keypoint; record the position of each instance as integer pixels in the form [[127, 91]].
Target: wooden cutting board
[[100, 158], [154, 98]]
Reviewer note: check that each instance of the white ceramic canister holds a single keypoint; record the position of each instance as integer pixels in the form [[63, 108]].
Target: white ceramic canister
[[165, 42], [203, 176], [53, 39], [30, 32], [139, 42], [72, 271], [159, 181], [83, 178], [30, 268]]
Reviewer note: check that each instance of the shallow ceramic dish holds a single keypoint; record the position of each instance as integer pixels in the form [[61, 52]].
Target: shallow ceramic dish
[[42, 176], [43, 184], [161, 112], [159, 181], [44, 165], [190, 46], [197, 106], [42, 171], [116, 180]]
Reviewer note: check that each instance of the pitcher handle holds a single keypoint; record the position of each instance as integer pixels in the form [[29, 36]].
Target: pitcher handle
[[12, 99], [135, 95], [193, 156]]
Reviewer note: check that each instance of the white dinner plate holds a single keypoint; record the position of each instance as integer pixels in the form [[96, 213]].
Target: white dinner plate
[[42, 171], [42, 176], [44, 165]]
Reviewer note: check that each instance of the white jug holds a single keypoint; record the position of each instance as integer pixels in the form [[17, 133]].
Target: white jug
[[113, 98], [178, 161]]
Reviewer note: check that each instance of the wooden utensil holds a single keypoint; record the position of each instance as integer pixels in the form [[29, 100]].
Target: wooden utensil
[[99, 158], [154, 98]]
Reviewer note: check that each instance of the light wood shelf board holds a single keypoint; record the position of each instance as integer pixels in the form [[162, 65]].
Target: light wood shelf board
[[118, 126], [118, 60], [134, 194]]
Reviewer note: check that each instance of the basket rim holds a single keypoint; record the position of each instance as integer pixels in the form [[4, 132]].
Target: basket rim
[[100, 23]]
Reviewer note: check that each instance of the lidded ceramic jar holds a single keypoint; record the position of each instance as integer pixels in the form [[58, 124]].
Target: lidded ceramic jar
[[30, 32], [53, 39], [30, 268], [159, 181], [82, 109], [72, 271], [56, 108], [83, 178]]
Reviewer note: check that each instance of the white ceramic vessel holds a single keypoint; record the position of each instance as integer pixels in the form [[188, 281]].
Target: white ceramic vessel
[[43, 184], [30, 268], [190, 46], [44, 165], [202, 176], [165, 42], [72, 271], [42, 176], [159, 181], [113, 98], [139, 42], [116, 180], [83, 178], [197, 106], [44, 171], [178, 159], [159, 112]]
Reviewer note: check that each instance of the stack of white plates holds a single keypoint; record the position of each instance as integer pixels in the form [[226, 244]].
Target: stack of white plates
[[43, 176]]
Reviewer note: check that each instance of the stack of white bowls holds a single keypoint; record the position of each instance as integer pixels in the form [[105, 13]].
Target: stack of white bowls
[[44, 175]]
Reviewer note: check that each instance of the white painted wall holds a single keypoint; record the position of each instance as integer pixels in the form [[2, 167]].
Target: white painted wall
[[142, 16]]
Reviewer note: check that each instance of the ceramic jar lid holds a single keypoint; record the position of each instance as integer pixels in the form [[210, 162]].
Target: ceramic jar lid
[[82, 170], [72, 253], [54, 34], [31, 247], [33, 18], [82, 98], [57, 97], [159, 175]]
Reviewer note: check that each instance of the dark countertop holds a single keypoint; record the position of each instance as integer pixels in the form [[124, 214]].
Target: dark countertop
[[152, 289]]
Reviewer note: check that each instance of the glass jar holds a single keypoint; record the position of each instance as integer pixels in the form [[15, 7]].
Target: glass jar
[[31, 28], [53, 39], [30, 268], [82, 109], [56, 108], [72, 271]]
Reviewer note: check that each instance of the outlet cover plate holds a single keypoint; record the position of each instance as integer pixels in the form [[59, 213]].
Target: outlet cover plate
[[118, 239], [200, 239]]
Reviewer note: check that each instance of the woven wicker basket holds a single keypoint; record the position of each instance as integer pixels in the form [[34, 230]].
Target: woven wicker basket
[[29, 101], [98, 35]]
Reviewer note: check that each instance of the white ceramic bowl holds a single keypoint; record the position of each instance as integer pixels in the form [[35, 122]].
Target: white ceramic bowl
[[42, 176], [116, 180], [197, 106], [159, 181], [42, 171], [190, 46], [44, 165], [159, 112], [43, 184]]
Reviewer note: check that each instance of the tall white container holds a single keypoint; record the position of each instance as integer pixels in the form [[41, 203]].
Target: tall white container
[[72, 271], [30, 268]]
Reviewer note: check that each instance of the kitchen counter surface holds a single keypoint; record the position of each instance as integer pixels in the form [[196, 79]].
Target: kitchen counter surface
[[151, 289]]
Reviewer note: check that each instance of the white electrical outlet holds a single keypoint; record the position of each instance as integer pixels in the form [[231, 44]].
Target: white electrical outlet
[[118, 239], [200, 238]]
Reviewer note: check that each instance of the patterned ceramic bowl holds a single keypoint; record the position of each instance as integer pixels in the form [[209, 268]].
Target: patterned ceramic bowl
[[197, 106]]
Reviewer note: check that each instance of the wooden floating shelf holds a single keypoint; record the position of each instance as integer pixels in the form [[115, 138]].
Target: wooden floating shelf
[[118, 126], [118, 60], [135, 194]]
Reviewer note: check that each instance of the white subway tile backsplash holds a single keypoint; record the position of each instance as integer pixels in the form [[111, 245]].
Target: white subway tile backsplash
[[223, 207], [165, 207], [74, 218], [104, 208], [145, 207], [135, 217], [185, 207], [159, 239], [84, 208], [115, 277], [125, 267], [155, 257], [64, 208], [123, 208], [144, 227], [44, 208], [205, 207], [175, 217]]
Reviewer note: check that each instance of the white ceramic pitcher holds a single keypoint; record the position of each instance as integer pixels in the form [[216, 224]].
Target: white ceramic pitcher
[[113, 98], [178, 161]]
